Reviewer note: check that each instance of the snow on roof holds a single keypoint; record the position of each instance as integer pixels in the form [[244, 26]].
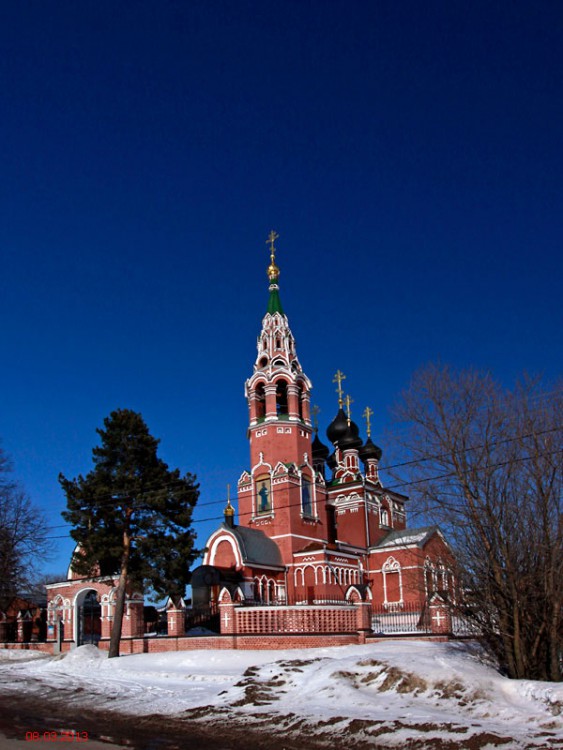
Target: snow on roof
[[407, 536]]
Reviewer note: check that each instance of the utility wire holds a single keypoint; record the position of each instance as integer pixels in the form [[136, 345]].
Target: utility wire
[[410, 483], [112, 498]]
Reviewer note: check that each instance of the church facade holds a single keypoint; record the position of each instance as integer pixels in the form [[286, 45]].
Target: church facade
[[318, 551], [316, 526]]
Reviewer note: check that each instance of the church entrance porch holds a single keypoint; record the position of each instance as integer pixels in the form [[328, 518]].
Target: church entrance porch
[[88, 618]]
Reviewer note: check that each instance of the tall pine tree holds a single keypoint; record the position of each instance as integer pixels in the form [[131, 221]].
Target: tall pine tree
[[131, 515]]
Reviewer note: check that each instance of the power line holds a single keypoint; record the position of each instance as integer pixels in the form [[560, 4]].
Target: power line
[[112, 498], [410, 483]]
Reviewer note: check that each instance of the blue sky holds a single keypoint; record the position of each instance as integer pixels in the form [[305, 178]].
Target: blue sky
[[409, 155]]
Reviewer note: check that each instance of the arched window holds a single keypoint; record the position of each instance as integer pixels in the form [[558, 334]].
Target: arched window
[[384, 517], [428, 578], [281, 397], [271, 591], [260, 401], [263, 494], [300, 403], [306, 496], [441, 579], [392, 582]]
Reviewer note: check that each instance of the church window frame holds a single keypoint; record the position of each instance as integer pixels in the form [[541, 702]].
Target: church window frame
[[308, 499], [429, 578], [263, 495], [392, 567]]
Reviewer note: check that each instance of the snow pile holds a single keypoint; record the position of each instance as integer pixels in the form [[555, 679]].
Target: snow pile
[[9, 654], [390, 693]]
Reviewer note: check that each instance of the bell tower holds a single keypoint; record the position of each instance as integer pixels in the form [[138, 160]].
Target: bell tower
[[278, 392], [278, 493]]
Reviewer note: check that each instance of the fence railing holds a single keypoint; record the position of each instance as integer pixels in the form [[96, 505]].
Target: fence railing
[[403, 618]]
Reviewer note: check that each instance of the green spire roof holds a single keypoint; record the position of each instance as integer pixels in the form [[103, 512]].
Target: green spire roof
[[274, 303]]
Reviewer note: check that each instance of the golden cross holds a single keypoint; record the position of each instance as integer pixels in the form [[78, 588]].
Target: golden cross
[[338, 378], [367, 414], [315, 412], [228, 493], [348, 410], [272, 237]]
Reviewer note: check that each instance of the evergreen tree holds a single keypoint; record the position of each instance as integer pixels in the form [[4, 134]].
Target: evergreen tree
[[132, 515]]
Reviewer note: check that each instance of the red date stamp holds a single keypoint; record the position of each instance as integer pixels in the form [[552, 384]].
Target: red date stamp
[[63, 735]]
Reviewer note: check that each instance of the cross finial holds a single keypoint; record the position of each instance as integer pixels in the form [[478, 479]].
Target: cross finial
[[367, 415], [338, 378], [229, 510], [273, 270], [349, 401], [272, 237], [315, 412]]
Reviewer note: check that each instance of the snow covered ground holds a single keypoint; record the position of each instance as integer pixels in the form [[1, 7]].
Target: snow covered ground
[[393, 694]]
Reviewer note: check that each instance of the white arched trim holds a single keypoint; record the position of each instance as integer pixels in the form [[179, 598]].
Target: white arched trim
[[349, 593], [222, 535]]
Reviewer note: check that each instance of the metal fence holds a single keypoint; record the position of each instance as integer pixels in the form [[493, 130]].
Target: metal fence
[[415, 619], [403, 619]]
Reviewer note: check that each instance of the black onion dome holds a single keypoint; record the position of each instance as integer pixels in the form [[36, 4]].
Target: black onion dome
[[351, 438], [370, 450], [338, 427], [319, 450], [331, 462]]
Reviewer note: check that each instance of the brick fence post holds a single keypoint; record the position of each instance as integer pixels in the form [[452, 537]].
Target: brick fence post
[[363, 616], [226, 613], [176, 616], [440, 616], [133, 620]]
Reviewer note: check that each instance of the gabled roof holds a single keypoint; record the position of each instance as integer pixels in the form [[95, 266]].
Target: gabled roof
[[255, 546], [418, 537]]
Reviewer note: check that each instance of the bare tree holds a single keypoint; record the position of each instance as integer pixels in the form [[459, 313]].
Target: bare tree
[[23, 536], [485, 463]]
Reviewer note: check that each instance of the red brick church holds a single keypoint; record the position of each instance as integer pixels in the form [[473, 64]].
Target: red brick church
[[318, 548], [315, 523]]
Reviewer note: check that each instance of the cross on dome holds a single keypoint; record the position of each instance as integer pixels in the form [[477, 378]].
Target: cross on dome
[[273, 271], [367, 415], [338, 378]]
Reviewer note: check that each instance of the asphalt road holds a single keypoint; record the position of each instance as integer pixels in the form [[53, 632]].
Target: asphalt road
[[40, 723]]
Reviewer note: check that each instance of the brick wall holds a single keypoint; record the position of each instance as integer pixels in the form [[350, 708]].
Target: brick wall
[[243, 642], [250, 642]]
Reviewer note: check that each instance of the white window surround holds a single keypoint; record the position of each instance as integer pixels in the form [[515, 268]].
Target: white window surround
[[392, 566]]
